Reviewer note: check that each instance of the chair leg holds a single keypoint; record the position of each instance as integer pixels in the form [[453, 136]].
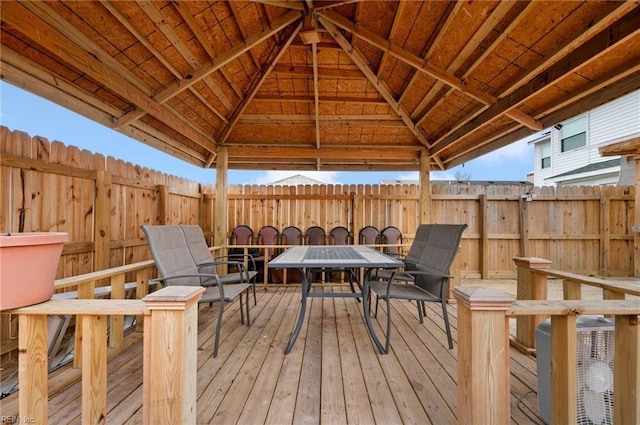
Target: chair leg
[[241, 310], [353, 289], [218, 326], [388, 337], [420, 311], [446, 324], [255, 299], [247, 306]]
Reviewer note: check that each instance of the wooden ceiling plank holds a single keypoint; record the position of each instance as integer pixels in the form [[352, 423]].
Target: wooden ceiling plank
[[621, 9], [487, 26], [604, 41], [181, 47], [279, 119], [33, 27], [593, 95], [138, 113], [371, 76], [322, 71], [392, 32], [441, 29], [234, 10], [55, 21], [230, 55], [190, 21], [418, 63], [255, 86]]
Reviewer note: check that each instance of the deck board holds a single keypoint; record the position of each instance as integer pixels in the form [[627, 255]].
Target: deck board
[[333, 374]]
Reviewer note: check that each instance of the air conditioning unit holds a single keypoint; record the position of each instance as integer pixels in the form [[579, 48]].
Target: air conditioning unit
[[595, 353]]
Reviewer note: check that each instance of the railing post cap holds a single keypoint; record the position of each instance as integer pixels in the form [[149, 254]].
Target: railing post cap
[[481, 298], [533, 262], [173, 297]]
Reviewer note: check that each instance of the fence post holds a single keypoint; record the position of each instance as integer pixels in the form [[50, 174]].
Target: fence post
[[483, 355], [171, 356], [530, 286]]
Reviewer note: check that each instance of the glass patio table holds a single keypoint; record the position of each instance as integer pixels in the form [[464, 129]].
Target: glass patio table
[[310, 258]]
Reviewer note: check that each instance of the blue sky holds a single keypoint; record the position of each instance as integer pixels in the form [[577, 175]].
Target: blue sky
[[21, 110]]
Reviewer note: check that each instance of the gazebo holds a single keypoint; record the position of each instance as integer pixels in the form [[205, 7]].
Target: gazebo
[[323, 85], [326, 85]]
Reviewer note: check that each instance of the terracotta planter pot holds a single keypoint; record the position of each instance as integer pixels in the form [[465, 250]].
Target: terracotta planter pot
[[28, 263]]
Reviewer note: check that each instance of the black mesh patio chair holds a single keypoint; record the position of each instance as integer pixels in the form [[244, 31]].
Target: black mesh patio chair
[[425, 277], [197, 245], [176, 266]]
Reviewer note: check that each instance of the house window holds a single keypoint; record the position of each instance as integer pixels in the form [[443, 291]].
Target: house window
[[573, 135], [545, 154]]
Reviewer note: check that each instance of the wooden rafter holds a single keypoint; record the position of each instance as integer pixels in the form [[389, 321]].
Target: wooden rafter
[[488, 25], [223, 59], [439, 32], [190, 21], [234, 9], [592, 95], [418, 63], [255, 86], [545, 62], [392, 32], [626, 27], [30, 25], [160, 57], [371, 76]]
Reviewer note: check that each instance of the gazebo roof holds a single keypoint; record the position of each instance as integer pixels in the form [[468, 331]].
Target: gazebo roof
[[324, 85]]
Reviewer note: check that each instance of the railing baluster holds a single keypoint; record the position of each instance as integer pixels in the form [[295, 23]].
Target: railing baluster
[[626, 378], [33, 368]]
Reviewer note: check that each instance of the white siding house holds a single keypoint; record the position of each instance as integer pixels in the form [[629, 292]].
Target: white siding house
[[568, 152]]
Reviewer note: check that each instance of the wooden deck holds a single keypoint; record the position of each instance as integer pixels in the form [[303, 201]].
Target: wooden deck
[[333, 374]]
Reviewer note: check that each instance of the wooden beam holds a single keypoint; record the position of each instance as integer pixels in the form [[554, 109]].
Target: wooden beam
[[322, 72], [310, 99], [316, 95], [596, 93], [360, 61], [606, 40], [419, 63], [230, 55], [35, 28], [288, 4], [255, 86], [122, 122], [324, 153], [627, 147]]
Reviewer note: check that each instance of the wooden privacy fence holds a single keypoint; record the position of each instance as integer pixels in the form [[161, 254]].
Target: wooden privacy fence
[[101, 202]]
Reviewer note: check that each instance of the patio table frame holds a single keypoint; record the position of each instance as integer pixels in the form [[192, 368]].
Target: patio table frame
[[361, 257]]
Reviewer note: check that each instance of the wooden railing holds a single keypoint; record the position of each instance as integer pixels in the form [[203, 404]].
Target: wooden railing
[[532, 284], [483, 354], [169, 376]]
